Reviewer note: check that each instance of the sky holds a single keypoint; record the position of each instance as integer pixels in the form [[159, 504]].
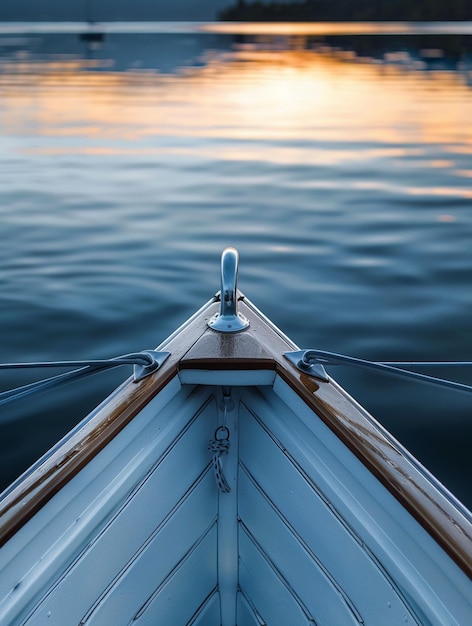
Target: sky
[[103, 10]]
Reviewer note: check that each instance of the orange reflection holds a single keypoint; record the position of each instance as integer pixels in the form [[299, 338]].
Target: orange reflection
[[309, 106], [332, 28]]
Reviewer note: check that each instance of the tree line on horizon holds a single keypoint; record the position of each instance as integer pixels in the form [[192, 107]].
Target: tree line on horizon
[[347, 10]]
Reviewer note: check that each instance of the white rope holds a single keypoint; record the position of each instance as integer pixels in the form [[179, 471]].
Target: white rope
[[219, 445]]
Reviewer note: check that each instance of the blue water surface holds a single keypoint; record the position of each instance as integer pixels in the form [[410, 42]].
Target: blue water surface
[[339, 166]]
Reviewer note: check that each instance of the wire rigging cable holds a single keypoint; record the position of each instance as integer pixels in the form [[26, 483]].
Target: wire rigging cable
[[306, 359], [144, 363]]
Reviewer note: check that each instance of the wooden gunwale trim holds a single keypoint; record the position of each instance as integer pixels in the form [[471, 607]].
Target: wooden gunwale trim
[[381, 453], [387, 460], [385, 457], [48, 479], [103, 424]]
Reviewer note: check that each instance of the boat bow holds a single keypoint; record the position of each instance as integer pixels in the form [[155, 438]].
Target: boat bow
[[231, 487]]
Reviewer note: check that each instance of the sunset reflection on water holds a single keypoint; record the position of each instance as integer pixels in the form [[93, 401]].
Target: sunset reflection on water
[[311, 107]]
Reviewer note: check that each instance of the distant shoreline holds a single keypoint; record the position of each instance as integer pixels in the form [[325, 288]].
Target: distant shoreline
[[346, 11]]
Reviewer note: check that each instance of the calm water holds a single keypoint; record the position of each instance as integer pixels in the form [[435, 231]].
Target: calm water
[[340, 167]]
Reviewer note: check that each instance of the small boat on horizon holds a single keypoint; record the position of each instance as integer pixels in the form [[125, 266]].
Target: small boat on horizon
[[94, 33], [92, 36], [231, 481]]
